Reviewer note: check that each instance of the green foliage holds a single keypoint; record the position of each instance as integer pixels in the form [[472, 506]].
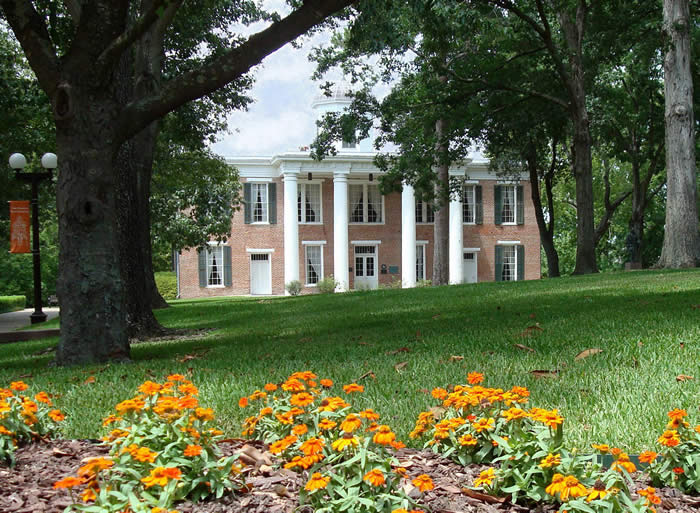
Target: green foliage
[[293, 287], [166, 282], [327, 285], [12, 303]]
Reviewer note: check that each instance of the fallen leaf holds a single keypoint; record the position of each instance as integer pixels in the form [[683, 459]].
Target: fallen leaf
[[59, 452], [189, 357], [456, 358], [683, 377], [588, 352], [305, 339], [399, 350], [532, 316], [682, 345], [363, 343], [400, 366], [368, 374], [489, 499], [282, 491], [640, 343], [437, 316], [90, 380], [525, 348], [695, 307], [437, 411], [424, 390], [545, 373], [24, 376], [531, 330], [252, 456], [418, 335]]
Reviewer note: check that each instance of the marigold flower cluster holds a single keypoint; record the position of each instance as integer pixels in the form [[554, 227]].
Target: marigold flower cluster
[[24, 418], [162, 442]]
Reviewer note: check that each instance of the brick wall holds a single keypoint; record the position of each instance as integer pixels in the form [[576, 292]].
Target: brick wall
[[271, 237]]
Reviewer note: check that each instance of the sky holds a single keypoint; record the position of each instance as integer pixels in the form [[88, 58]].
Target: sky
[[281, 118]]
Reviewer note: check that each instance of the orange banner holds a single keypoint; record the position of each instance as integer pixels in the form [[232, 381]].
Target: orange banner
[[19, 227]]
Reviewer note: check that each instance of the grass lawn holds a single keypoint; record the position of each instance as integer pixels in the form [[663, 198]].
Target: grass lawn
[[647, 324]]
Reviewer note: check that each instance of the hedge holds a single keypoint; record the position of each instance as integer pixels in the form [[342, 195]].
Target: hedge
[[167, 285], [12, 303]]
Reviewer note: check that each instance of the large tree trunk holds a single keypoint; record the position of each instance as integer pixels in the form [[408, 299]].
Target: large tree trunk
[[441, 254], [681, 246], [89, 283]]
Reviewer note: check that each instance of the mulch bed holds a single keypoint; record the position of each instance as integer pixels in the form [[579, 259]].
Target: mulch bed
[[27, 488]]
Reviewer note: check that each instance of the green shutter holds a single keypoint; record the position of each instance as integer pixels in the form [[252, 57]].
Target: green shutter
[[227, 266], [497, 204], [520, 212], [499, 262], [247, 206], [520, 256], [478, 206], [272, 203], [202, 267]]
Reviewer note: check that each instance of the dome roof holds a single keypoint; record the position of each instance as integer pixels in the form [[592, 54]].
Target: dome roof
[[339, 93]]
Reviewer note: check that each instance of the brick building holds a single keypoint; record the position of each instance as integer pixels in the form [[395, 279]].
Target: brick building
[[305, 220]]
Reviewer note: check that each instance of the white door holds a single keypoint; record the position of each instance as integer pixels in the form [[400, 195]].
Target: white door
[[469, 267], [260, 282], [366, 267]]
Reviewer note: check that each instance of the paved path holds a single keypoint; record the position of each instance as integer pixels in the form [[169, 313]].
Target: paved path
[[11, 322]]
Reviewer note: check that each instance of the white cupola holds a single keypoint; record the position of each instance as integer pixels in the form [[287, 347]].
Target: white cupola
[[338, 100]]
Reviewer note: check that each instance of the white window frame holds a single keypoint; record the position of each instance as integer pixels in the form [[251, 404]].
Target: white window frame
[[420, 248], [469, 190], [505, 188], [365, 204], [302, 194], [308, 245], [510, 248], [424, 208], [263, 204], [219, 249]]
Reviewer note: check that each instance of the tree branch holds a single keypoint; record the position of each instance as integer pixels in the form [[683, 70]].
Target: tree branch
[[224, 69], [132, 33], [74, 9], [33, 35]]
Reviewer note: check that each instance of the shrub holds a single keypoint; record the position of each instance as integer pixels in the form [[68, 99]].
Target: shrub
[[162, 449], [166, 282], [346, 453], [293, 287], [23, 419], [12, 303], [424, 283], [327, 285]]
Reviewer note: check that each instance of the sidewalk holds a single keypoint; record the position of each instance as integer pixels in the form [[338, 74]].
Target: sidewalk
[[11, 322]]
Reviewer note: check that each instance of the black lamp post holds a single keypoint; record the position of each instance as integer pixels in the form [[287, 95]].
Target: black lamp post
[[49, 162]]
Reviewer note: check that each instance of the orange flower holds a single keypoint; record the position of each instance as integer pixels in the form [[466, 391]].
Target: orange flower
[[188, 401], [423, 483], [485, 477], [513, 414], [312, 446], [556, 485], [467, 439], [647, 456], [439, 393], [243, 402], [43, 397], [353, 387], [68, 482], [677, 414], [572, 488], [474, 378], [326, 424], [326, 383], [623, 461], [293, 385], [383, 435], [270, 387], [204, 414], [145, 454], [551, 419], [302, 399], [604, 448], [650, 494], [552, 460], [398, 445], [300, 429], [90, 494], [678, 470], [265, 411], [597, 492], [4, 431], [188, 389], [347, 440], [317, 482], [57, 415], [332, 404], [192, 450], [369, 414], [149, 388], [375, 477], [159, 476], [351, 423], [176, 377], [280, 446], [109, 419], [94, 466], [484, 425], [19, 386], [130, 406], [304, 462], [669, 438]]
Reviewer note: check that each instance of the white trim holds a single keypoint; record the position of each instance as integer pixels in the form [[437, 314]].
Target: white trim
[[508, 242], [423, 242], [471, 250], [306, 268], [471, 182], [216, 243], [508, 182], [313, 242], [365, 242], [320, 201], [256, 250], [365, 203], [259, 180]]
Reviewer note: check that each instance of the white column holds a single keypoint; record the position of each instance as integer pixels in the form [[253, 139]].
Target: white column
[[456, 239], [291, 228], [340, 230], [408, 237]]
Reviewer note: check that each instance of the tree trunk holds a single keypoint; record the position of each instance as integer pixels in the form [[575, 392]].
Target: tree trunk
[[441, 254], [89, 283], [681, 246], [546, 232]]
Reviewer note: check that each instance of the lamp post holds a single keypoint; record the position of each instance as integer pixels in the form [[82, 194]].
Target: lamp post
[[49, 162]]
